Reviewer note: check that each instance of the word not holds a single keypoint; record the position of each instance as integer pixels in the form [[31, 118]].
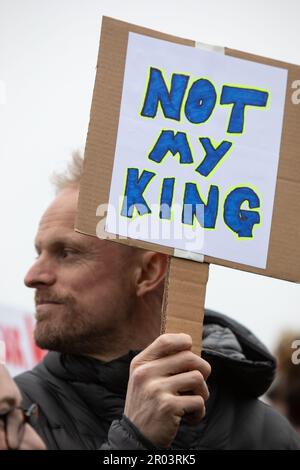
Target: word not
[[201, 99]]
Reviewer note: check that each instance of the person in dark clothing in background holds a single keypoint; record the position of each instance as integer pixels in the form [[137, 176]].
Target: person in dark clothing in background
[[110, 381], [284, 393], [15, 432]]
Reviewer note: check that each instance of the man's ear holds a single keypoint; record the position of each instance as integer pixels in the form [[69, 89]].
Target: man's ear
[[152, 270]]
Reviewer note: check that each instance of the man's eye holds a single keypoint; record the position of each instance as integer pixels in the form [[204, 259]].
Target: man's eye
[[67, 252]]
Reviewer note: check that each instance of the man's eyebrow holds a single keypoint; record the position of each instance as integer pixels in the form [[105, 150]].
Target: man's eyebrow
[[60, 241]]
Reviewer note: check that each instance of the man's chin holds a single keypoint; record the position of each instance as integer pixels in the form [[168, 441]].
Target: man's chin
[[60, 340], [46, 338]]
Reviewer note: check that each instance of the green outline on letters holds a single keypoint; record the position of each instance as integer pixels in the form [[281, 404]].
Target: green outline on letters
[[169, 85], [218, 97], [195, 220], [169, 153], [171, 208], [264, 108], [133, 217], [222, 159], [255, 226]]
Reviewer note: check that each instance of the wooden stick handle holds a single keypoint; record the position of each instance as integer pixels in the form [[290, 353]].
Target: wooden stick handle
[[184, 299]]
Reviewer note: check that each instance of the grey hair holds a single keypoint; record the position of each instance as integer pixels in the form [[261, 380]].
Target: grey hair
[[72, 175]]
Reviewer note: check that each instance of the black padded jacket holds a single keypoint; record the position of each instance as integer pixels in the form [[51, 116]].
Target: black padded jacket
[[81, 399]]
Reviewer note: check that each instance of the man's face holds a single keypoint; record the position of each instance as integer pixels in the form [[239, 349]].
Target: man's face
[[84, 286]]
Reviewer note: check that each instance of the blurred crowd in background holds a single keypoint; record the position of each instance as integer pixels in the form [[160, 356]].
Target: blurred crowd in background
[[284, 393]]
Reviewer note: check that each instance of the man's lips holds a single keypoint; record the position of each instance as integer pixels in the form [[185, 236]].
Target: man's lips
[[45, 307], [47, 302]]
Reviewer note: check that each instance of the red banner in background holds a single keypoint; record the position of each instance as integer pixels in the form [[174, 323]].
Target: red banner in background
[[16, 331]]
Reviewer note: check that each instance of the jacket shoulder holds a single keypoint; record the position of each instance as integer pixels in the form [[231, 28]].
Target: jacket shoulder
[[235, 421], [31, 386], [258, 426], [277, 431]]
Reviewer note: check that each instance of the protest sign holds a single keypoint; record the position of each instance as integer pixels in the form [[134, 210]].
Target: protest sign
[[193, 153]]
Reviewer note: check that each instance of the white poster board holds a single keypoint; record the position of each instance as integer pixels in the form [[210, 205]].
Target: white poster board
[[197, 151]]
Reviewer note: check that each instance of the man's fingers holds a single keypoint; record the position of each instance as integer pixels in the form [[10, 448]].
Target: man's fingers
[[189, 382], [14, 428], [10, 395], [16, 436], [183, 361], [191, 408], [3, 444], [166, 384], [31, 440], [165, 345], [13, 433]]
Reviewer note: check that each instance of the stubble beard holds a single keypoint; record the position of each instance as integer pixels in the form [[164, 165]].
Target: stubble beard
[[74, 331]]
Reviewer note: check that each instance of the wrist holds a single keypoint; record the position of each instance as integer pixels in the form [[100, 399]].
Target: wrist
[[136, 433]]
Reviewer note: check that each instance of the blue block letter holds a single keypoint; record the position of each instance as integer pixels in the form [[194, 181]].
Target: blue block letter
[[238, 220], [240, 98], [193, 205], [166, 198], [201, 101], [135, 186], [213, 155], [168, 141], [157, 92]]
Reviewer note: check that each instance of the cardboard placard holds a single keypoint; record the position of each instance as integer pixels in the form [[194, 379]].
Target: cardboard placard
[[185, 313], [284, 247]]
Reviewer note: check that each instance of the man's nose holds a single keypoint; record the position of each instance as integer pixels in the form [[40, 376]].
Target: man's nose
[[41, 273]]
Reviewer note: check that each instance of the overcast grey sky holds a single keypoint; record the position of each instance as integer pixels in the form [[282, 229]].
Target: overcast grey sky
[[48, 53]]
